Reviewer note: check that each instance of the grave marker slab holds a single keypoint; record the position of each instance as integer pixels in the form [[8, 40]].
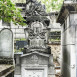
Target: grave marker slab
[[6, 43]]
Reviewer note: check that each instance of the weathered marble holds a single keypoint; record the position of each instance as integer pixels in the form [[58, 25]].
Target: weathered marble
[[36, 60], [68, 39], [6, 43]]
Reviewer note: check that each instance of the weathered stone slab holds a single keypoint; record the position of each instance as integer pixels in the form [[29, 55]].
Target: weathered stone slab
[[6, 70], [34, 58], [34, 71], [68, 36], [68, 60], [6, 43]]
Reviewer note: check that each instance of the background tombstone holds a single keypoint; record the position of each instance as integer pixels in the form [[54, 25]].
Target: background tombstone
[[6, 43]]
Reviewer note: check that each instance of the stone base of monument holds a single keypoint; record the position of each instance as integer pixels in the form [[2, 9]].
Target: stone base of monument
[[36, 64], [51, 72]]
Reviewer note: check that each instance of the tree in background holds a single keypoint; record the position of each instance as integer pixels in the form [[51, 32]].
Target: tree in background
[[52, 5], [8, 13]]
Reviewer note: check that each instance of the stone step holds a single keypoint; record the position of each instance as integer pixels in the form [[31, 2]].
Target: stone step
[[6, 69]]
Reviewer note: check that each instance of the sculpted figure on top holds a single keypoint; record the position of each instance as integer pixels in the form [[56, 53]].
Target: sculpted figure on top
[[37, 31], [34, 8]]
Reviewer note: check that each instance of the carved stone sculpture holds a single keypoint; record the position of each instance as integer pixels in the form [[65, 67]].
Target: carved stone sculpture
[[36, 60], [34, 8]]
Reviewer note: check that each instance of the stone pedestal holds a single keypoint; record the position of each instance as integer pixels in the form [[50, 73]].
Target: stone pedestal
[[36, 64]]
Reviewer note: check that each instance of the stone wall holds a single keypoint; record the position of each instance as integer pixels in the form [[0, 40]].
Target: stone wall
[[55, 50], [68, 20], [68, 46]]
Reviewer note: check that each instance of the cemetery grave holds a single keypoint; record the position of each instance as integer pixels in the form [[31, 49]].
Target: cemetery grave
[[35, 57], [6, 53]]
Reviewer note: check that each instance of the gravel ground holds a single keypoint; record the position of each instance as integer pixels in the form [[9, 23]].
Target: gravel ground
[[57, 69]]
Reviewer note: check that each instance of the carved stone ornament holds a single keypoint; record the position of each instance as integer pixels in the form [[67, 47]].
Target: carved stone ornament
[[34, 8], [34, 59]]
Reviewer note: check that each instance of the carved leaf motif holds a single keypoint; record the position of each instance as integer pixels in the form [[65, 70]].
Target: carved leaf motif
[[34, 59]]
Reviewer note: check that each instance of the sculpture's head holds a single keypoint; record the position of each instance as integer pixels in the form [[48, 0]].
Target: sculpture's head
[[27, 1]]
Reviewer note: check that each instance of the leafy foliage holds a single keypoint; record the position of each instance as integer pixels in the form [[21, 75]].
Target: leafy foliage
[[52, 5], [8, 13], [18, 1]]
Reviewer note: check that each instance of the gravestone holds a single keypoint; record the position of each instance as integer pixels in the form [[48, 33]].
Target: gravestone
[[37, 59], [6, 45]]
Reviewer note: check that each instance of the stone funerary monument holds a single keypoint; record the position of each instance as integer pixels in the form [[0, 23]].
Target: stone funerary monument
[[36, 60], [6, 53]]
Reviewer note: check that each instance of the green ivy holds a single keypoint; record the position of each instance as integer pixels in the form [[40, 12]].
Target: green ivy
[[22, 39], [8, 13]]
